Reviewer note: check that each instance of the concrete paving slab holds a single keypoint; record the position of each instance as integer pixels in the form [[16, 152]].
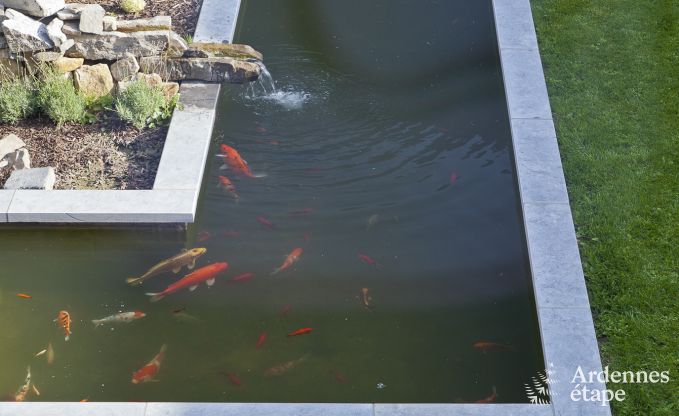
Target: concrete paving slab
[[171, 206]]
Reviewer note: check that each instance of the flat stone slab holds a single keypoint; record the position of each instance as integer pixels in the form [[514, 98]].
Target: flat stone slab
[[95, 206], [112, 46], [202, 69], [137, 25], [5, 199], [36, 178]]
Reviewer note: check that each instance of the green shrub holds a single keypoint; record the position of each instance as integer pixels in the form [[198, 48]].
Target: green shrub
[[132, 6], [58, 98], [141, 104], [17, 100]]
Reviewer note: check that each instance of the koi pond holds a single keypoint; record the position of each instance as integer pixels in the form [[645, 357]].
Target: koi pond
[[383, 193]]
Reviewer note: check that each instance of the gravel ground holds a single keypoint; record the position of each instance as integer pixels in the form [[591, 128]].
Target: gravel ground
[[92, 156]]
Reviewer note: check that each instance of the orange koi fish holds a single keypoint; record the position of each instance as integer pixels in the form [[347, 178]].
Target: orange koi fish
[[236, 163], [485, 346], [226, 183], [489, 399], [63, 319], [289, 261], [261, 340], [23, 391], [24, 296], [300, 331], [149, 371], [204, 274], [281, 369], [242, 278]]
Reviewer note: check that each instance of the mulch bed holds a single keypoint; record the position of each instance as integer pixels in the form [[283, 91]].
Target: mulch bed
[[184, 13], [104, 155], [107, 154]]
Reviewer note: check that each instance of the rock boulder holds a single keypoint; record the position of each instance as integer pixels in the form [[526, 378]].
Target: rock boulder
[[112, 46], [24, 34], [93, 80], [92, 19], [10, 144], [37, 8], [124, 69], [36, 178]]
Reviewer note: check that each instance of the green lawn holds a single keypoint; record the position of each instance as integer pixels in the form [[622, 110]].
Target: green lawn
[[612, 69]]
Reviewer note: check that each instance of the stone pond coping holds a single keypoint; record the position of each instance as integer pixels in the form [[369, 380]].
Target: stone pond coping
[[564, 316], [174, 197]]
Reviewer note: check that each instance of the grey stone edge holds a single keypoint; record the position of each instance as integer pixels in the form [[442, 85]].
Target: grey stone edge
[[564, 316], [174, 197]]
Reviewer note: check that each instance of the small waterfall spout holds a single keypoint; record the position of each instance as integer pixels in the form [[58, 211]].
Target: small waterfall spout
[[264, 85], [265, 89]]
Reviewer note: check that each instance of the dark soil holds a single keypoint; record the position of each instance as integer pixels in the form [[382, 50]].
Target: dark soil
[[184, 13], [104, 155]]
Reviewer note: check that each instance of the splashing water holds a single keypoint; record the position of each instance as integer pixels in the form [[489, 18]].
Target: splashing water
[[265, 89]]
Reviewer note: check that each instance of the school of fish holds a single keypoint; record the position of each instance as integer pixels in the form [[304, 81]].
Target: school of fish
[[208, 274]]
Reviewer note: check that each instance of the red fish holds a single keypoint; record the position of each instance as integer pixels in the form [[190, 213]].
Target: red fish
[[453, 178], [300, 331], [285, 310], [368, 260], [204, 274], [486, 346], [150, 370], [226, 183], [275, 142], [289, 260], [24, 296], [261, 340], [266, 222], [489, 399], [231, 233], [242, 278], [260, 129], [341, 378], [314, 170], [236, 163], [203, 236], [234, 379], [302, 212]]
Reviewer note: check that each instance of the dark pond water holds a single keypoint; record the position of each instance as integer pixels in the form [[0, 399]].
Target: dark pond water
[[387, 136]]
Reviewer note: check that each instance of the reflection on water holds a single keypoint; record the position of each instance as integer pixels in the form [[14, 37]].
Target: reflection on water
[[389, 214]]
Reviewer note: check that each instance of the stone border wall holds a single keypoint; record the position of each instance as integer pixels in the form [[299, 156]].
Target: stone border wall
[[566, 325], [174, 196]]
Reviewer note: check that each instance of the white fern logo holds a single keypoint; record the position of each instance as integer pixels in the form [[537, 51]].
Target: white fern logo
[[537, 389]]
